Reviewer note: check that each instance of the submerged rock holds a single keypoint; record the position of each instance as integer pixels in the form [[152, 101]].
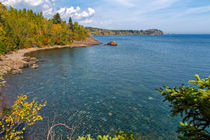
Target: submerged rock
[[112, 43], [134, 109], [34, 66], [104, 119], [110, 113], [150, 98]]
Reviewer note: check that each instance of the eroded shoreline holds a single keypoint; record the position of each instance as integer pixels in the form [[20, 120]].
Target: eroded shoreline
[[14, 62]]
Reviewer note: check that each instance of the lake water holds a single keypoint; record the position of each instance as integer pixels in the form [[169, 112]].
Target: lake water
[[103, 89]]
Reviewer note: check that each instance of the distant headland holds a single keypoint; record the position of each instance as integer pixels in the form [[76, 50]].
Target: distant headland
[[99, 31]]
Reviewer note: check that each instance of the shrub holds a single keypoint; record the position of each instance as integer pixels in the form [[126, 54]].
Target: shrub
[[119, 136], [193, 105], [20, 114], [13, 121]]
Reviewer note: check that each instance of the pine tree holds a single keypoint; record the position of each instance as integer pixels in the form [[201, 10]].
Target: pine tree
[[56, 19], [71, 25]]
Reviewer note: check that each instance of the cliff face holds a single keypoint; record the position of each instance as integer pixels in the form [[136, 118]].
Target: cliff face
[[98, 31]]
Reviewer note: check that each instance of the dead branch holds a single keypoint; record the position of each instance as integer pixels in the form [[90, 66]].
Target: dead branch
[[59, 124]]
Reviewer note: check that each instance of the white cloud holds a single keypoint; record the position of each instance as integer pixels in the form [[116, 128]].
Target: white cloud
[[48, 12], [28, 2], [86, 22], [144, 5], [198, 10], [91, 11], [66, 12], [151, 5], [75, 13], [48, 8], [188, 13], [129, 3]]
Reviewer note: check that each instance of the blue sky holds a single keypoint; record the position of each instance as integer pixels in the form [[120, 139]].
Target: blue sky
[[171, 16]]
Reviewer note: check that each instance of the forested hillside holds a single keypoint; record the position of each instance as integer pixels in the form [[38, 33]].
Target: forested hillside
[[98, 31], [25, 28]]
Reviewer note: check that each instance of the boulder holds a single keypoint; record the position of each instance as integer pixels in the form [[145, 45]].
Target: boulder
[[34, 66], [27, 59], [30, 59], [112, 43], [25, 65], [33, 59], [7, 68], [16, 71]]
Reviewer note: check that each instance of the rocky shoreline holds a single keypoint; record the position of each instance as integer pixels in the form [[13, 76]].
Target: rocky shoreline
[[14, 62]]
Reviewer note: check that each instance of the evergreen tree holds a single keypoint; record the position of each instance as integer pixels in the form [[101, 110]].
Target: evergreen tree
[[56, 19], [71, 24], [192, 103], [2, 11]]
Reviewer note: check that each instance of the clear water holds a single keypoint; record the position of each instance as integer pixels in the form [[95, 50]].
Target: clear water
[[103, 89]]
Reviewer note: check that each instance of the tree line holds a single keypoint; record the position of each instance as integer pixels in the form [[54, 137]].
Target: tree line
[[25, 28]]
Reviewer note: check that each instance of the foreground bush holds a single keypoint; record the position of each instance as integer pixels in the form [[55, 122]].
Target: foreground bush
[[193, 105], [13, 121], [119, 136]]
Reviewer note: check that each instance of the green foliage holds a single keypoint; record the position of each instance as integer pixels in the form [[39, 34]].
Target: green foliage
[[2, 81], [193, 105], [79, 32], [25, 28], [118, 136]]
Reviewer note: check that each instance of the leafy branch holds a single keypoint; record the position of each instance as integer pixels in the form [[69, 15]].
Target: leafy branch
[[193, 105]]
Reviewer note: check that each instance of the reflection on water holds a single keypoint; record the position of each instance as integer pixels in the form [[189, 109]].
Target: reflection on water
[[104, 89]]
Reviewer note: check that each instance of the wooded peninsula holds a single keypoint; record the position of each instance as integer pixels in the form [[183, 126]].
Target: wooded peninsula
[[98, 31]]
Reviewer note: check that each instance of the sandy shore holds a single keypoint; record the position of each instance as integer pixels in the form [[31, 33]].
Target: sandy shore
[[14, 62]]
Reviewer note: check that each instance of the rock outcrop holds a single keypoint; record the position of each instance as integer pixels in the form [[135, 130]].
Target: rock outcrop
[[34, 66], [89, 41], [112, 43], [14, 63]]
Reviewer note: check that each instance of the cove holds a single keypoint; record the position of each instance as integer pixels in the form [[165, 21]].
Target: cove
[[104, 89]]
